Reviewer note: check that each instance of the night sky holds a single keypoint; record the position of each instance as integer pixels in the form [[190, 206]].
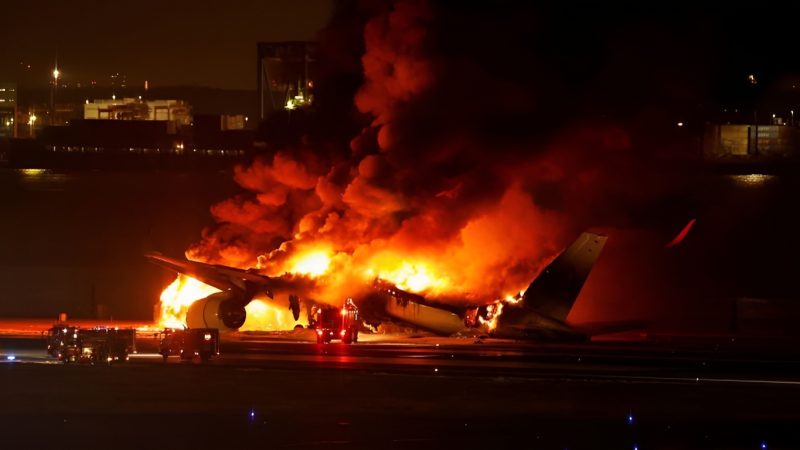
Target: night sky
[[212, 44], [170, 43]]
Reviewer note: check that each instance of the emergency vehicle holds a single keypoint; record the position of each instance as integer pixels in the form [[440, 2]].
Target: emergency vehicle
[[330, 323], [103, 344], [60, 336], [92, 345], [188, 343]]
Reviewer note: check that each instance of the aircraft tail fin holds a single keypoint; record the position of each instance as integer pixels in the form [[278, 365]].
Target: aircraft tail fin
[[554, 291]]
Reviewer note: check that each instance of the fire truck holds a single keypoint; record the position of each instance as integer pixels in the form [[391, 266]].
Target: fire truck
[[61, 336], [188, 343], [101, 344], [93, 345], [331, 323]]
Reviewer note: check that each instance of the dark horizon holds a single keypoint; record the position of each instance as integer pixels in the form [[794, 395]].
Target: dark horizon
[[693, 57], [177, 42]]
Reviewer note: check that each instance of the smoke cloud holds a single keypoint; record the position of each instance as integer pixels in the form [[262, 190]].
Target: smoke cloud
[[459, 178]]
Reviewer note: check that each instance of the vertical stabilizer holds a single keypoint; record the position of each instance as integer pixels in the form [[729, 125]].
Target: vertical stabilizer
[[554, 291]]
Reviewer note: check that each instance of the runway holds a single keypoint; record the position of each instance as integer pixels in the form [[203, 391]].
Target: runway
[[626, 361], [282, 392]]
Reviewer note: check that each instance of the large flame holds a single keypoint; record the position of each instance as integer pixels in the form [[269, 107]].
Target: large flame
[[265, 315], [313, 263], [415, 277], [317, 263], [176, 298], [262, 314]]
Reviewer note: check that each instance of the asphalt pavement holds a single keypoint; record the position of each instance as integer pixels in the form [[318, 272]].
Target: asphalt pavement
[[268, 392]]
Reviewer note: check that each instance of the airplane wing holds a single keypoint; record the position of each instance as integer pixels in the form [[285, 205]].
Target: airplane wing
[[221, 277], [246, 282]]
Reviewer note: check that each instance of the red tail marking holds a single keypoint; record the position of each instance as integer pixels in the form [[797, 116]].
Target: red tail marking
[[682, 235]]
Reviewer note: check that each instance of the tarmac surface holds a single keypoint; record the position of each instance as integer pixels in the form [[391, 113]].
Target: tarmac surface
[[280, 391]]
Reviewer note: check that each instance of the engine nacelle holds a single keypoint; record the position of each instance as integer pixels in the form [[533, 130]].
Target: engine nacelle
[[219, 310]]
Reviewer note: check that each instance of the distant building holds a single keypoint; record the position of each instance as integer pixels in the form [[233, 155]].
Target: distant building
[[233, 122], [286, 74], [8, 106], [8, 95], [175, 111], [748, 142], [212, 132], [129, 136]]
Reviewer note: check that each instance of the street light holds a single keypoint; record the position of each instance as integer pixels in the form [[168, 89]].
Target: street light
[[31, 121], [56, 75], [751, 80]]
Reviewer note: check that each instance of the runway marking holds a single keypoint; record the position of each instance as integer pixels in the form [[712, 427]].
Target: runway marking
[[317, 443], [696, 380], [743, 380]]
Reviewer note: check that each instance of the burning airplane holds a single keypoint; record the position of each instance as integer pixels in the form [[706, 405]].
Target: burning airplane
[[539, 312], [428, 210]]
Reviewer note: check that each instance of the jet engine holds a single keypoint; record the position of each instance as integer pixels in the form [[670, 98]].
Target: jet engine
[[221, 310]]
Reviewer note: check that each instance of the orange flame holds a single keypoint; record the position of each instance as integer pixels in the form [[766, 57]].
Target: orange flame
[[314, 263], [417, 276], [262, 314], [495, 310], [493, 313], [176, 298]]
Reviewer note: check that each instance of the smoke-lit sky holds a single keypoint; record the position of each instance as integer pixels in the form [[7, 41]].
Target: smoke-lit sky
[[175, 42]]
